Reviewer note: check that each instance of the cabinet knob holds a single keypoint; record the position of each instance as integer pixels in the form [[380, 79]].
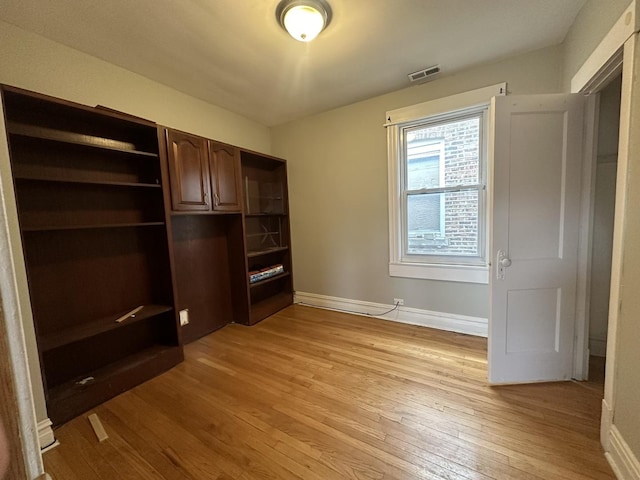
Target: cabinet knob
[[206, 201], [216, 199]]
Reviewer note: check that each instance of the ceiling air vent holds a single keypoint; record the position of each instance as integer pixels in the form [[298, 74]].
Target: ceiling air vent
[[424, 75]]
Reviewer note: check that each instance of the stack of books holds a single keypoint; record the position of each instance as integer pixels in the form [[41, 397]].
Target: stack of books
[[257, 275]]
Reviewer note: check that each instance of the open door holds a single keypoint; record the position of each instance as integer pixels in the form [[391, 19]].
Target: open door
[[537, 164]]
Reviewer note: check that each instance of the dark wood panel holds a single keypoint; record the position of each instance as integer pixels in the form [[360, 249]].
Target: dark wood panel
[[268, 304], [67, 401], [76, 277], [200, 248]]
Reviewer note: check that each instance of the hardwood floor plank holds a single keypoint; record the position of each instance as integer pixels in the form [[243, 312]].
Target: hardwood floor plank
[[318, 395]]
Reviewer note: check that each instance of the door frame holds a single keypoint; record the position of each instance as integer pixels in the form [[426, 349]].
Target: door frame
[[615, 52]]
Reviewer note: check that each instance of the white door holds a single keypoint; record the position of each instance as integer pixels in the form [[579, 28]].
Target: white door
[[537, 164]]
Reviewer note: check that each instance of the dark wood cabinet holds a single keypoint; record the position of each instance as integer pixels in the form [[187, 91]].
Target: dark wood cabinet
[[93, 222], [188, 171], [204, 175], [224, 167]]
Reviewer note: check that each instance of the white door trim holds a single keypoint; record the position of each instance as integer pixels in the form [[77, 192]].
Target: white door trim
[[605, 59]]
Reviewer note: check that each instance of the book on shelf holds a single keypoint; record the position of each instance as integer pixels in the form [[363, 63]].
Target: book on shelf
[[257, 275]]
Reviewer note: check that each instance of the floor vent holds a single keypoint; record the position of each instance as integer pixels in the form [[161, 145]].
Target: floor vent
[[424, 75]]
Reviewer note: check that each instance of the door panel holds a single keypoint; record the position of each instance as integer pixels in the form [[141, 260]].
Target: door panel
[[225, 177], [537, 166], [188, 171]]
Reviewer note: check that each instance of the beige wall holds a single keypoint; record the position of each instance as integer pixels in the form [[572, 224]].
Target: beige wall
[[338, 190], [35, 63], [592, 23]]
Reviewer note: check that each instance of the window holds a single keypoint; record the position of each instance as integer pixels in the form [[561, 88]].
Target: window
[[438, 194]]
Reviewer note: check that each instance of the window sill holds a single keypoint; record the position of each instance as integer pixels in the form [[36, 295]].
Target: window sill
[[447, 273]]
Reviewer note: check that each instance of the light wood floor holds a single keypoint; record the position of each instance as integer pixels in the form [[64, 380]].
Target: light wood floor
[[320, 395]]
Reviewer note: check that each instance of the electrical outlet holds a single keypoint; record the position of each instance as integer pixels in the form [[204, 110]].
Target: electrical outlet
[[398, 301], [184, 317]]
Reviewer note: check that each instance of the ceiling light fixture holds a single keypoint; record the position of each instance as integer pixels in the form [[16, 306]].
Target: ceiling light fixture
[[303, 19]]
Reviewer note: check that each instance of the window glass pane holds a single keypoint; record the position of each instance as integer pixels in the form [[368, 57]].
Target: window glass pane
[[457, 140], [443, 223]]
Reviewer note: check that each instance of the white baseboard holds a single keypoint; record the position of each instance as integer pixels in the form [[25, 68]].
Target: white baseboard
[[597, 347], [45, 436], [442, 321], [622, 460], [606, 419]]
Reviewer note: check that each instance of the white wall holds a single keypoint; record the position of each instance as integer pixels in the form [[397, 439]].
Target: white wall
[[32, 62], [338, 190]]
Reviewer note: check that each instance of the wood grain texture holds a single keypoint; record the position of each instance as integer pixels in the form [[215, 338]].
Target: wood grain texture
[[319, 395], [11, 452]]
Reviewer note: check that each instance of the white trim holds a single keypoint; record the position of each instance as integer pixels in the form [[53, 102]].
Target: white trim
[[621, 458], [46, 436], [602, 60], [470, 99], [619, 217], [606, 419], [439, 320], [585, 247], [448, 273]]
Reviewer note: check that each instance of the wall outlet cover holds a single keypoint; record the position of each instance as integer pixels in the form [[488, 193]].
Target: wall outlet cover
[[184, 317]]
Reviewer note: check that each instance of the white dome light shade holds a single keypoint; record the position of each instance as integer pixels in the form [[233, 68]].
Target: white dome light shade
[[303, 23], [303, 19]]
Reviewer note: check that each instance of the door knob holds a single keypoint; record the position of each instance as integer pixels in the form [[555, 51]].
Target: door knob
[[502, 262], [505, 262]]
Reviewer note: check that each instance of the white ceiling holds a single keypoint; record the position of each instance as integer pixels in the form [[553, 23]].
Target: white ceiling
[[234, 54]]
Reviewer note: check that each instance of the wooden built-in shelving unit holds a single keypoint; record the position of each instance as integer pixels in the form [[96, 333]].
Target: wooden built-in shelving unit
[[92, 215], [124, 224]]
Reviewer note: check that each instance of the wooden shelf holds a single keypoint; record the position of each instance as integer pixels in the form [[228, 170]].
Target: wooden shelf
[[97, 327], [73, 138], [269, 280], [266, 251], [265, 214], [264, 308], [68, 399], [261, 234], [36, 178], [47, 228]]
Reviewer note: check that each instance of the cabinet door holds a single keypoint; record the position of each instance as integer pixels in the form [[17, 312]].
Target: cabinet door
[[225, 177], [188, 171]]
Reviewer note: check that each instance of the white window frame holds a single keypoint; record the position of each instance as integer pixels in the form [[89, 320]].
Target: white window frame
[[457, 270]]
